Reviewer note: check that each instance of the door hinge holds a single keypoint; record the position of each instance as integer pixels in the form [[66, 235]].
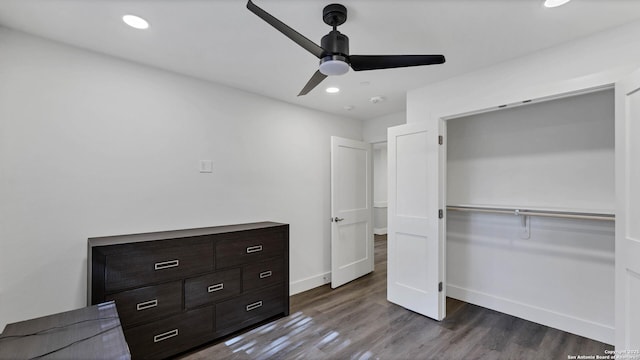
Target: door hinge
[[440, 214], [440, 140], [440, 286]]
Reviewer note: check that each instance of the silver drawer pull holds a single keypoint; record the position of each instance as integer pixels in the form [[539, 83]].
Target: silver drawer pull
[[265, 274], [252, 249], [216, 287], [254, 306], [166, 264], [147, 304], [165, 336]]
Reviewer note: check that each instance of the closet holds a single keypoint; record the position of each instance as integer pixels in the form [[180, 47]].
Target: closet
[[530, 199]]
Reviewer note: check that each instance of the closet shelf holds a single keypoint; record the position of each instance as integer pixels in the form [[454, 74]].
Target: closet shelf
[[530, 212]]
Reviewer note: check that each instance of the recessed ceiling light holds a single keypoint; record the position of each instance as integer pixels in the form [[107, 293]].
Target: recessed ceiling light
[[135, 21], [332, 90], [555, 3]]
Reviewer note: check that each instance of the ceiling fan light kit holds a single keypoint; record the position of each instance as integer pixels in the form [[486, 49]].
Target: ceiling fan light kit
[[334, 65], [333, 51]]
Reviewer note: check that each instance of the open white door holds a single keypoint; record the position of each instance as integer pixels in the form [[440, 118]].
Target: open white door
[[627, 247], [415, 261], [351, 209]]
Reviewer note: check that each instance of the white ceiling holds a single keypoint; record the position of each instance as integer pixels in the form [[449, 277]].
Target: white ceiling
[[221, 41]]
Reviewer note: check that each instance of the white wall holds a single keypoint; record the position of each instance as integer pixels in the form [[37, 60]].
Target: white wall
[[554, 155], [94, 146], [560, 275], [592, 61], [375, 130]]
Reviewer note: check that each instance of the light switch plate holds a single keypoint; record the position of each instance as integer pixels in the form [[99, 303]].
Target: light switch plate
[[206, 166]]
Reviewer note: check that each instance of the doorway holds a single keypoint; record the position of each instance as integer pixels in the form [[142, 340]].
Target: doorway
[[380, 188]]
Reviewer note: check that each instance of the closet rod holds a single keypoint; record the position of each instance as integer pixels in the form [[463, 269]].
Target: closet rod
[[524, 212]]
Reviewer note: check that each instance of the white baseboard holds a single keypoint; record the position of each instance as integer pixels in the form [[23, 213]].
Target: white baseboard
[[296, 287], [564, 322], [380, 231]]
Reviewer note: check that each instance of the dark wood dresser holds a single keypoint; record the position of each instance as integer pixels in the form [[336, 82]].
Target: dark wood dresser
[[176, 290]]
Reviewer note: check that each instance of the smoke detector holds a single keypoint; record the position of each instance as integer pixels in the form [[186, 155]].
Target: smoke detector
[[376, 99]]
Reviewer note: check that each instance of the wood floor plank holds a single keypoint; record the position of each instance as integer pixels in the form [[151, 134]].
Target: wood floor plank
[[355, 321]]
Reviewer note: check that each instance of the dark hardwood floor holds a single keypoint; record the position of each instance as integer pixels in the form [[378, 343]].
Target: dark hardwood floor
[[356, 321]]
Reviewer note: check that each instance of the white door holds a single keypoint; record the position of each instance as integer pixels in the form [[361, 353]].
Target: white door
[[627, 247], [351, 211], [415, 262]]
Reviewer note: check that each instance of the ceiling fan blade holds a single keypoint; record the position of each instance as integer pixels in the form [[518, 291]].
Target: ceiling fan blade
[[298, 38], [313, 82], [374, 62]]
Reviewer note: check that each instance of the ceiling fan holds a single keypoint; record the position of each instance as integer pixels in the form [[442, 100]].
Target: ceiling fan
[[334, 50]]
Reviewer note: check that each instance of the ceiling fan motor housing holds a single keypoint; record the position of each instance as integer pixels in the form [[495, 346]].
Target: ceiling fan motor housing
[[335, 43]]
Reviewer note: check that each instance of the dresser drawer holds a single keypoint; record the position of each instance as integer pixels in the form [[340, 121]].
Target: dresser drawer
[[138, 264], [170, 336], [262, 274], [148, 303], [250, 247], [208, 288], [249, 309]]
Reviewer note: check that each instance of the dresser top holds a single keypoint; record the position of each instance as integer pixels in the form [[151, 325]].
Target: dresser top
[[173, 234]]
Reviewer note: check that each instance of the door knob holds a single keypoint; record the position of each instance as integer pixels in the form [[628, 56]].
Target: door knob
[[337, 219]]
